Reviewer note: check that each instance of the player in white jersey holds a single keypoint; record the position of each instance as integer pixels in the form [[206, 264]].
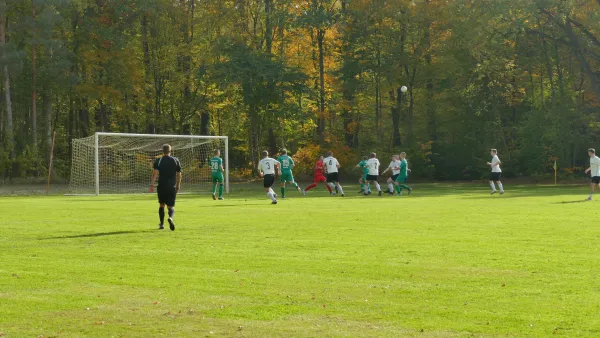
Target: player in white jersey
[[395, 168], [332, 166], [267, 168], [595, 171], [496, 172], [373, 165]]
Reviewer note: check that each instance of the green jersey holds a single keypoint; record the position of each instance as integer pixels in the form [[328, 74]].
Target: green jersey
[[286, 164], [363, 165], [215, 165], [404, 168]]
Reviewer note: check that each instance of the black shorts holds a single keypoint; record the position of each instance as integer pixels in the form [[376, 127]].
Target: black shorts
[[371, 178], [495, 177], [596, 179], [333, 177], [167, 196], [268, 180], [394, 177]]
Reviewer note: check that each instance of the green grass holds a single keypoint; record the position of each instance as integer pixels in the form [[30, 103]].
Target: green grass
[[446, 261]]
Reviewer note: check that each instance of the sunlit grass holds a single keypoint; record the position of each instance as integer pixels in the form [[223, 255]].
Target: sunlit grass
[[445, 261]]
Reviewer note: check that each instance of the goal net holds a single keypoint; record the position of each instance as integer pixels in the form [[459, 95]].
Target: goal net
[[112, 163]]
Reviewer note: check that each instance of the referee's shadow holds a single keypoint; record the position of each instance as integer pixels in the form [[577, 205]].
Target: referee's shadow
[[99, 234]]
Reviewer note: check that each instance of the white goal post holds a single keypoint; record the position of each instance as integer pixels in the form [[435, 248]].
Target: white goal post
[[121, 163]]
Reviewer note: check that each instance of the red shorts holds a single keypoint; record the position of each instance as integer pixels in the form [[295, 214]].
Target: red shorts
[[319, 178]]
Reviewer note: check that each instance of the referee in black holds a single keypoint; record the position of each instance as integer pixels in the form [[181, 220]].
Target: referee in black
[[168, 170]]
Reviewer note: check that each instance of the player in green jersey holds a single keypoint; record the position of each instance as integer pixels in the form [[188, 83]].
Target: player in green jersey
[[287, 164], [363, 179], [216, 169], [401, 179]]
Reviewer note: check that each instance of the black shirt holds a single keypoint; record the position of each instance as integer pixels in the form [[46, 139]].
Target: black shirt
[[167, 167]]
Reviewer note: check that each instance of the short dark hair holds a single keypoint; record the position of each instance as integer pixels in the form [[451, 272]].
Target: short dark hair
[[592, 150], [330, 153], [283, 151], [217, 151], [494, 150], [265, 153], [373, 155], [166, 149]]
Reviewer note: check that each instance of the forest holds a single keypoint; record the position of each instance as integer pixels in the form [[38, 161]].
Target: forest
[[522, 76]]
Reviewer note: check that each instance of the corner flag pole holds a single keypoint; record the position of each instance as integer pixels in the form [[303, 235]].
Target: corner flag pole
[[50, 163], [555, 172]]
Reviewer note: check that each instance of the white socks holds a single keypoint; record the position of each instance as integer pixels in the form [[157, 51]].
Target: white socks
[[493, 186], [377, 186], [340, 189], [390, 187], [500, 186], [271, 195]]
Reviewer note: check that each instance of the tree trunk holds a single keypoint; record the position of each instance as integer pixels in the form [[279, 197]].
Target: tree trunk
[[430, 105], [34, 95], [49, 113], [9, 113], [320, 39], [150, 125], [204, 123], [396, 114]]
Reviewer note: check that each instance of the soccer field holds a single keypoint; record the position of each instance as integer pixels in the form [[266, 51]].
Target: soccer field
[[445, 261]]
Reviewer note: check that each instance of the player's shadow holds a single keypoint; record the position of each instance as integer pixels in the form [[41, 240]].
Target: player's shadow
[[99, 234], [570, 202]]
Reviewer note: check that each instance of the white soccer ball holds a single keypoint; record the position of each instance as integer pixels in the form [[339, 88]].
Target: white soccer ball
[[403, 89]]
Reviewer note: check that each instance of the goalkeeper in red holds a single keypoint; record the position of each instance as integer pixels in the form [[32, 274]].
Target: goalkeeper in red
[[216, 169], [286, 164], [318, 177]]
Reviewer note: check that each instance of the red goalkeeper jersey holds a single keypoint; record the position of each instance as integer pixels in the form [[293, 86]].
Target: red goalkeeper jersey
[[319, 168]]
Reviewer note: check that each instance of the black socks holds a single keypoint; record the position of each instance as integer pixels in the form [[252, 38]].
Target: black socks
[[161, 215]]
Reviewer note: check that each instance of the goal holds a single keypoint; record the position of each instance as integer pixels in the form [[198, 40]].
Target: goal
[[115, 163]]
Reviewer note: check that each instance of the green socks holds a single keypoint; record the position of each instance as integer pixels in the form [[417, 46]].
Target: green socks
[[221, 186], [282, 192], [214, 188]]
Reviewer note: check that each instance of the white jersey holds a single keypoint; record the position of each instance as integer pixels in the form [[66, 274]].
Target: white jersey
[[496, 168], [373, 165], [395, 166], [595, 165], [331, 164], [267, 165]]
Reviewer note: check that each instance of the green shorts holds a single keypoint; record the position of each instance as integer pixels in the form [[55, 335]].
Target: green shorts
[[286, 177], [217, 178], [364, 177], [401, 179]]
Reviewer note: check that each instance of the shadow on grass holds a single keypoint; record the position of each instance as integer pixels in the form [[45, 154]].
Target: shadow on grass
[[100, 234], [571, 202]]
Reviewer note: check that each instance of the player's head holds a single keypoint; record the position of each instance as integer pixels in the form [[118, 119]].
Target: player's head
[[373, 155], [402, 155], [493, 152], [592, 152], [166, 149], [396, 157], [217, 152], [329, 153], [265, 154], [283, 151], [365, 158], [321, 158]]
